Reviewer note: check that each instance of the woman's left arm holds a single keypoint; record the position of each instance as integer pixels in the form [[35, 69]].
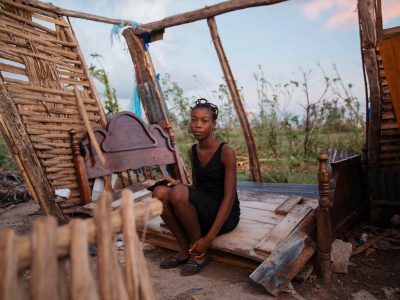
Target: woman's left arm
[[228, 158]]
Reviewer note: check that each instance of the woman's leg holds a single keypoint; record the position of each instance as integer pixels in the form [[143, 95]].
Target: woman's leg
[[185, 211], [169, 217]]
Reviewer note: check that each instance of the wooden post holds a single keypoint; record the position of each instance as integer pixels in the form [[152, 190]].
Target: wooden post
[[151, 95], [368, 31], [21, 145], [324, 223], [237, 102], [80, 168]]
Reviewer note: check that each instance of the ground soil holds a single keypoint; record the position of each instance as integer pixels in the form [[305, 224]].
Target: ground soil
[[371, 272]]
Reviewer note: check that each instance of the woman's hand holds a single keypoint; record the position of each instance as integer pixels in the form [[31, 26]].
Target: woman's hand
[[200, 247], [172, 181]]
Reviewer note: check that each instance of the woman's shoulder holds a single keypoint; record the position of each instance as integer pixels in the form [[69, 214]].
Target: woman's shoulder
[[227, 150]]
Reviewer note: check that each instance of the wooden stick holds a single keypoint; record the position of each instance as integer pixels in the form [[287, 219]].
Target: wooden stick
[[370, 243], [188, 17], [63, 233], [83, 284], [8, 265], [44, 259], [85, 118], [255, 169]]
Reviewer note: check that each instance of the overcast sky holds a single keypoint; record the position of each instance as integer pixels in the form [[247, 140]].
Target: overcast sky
[[281, 38]]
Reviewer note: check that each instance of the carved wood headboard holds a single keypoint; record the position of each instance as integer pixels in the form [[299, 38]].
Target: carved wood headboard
[[127, 144]]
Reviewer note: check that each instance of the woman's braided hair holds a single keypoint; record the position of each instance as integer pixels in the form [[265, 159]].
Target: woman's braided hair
[[203, 103]]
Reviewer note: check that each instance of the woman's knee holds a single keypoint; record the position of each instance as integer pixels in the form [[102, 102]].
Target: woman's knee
[[161, 193], [179, 194]]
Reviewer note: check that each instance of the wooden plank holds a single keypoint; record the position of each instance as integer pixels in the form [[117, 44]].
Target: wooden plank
[[284, 263], [248, 234], [261, 216], [289, 203], [283, 229], [266, 205]]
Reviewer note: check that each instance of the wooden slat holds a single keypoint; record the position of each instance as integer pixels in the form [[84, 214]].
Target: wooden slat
[[44, 259], [82, 284], [8, 265], [283, 229], [289, 203]]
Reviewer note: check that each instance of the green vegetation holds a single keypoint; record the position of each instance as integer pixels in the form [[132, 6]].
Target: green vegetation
[[288, 143]]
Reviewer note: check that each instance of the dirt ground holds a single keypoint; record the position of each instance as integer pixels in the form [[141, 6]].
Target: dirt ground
[[373, 274]]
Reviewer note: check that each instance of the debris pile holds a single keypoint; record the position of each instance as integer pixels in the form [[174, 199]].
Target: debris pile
[[12, 188]]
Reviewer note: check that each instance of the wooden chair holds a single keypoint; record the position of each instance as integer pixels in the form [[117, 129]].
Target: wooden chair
[[59, 262], [127, 147]]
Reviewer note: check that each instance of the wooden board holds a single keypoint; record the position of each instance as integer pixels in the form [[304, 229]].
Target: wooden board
[[283, 229], [289, 203]]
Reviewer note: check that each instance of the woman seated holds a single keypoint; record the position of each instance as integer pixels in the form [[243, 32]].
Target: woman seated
[[197, 214]]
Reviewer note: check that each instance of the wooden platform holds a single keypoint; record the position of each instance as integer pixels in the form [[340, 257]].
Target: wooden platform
[[269, 213]]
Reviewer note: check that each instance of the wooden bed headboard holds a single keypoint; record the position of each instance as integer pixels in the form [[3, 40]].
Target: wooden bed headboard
[[127, 144]]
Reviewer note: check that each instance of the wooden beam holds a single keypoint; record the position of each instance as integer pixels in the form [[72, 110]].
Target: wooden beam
[[368, 47], [188, 17], [237, 102], [203, 13], [21, 145]]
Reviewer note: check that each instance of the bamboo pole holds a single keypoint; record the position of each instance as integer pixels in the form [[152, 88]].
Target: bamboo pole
[[237, 102], [188, 17]]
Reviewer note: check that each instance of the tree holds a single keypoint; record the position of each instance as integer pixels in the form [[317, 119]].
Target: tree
[[111, 101]]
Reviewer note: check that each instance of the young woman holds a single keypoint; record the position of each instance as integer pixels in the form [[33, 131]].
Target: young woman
[[197, 214]]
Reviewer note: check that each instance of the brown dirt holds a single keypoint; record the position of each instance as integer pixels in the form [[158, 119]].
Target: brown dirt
[[373, 271]]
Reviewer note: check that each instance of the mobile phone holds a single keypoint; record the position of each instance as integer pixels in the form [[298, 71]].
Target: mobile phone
[[158, 183]]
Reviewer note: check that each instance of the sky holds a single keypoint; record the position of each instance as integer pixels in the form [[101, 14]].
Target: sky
[[281, 38]]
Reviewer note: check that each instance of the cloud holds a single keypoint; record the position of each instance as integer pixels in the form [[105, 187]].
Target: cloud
[[343, 13]]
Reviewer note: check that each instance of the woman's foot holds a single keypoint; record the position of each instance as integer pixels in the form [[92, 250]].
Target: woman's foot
[[195, 265], [174, 261]]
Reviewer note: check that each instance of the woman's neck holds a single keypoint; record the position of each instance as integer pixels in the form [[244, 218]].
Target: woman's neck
[[207, 142]]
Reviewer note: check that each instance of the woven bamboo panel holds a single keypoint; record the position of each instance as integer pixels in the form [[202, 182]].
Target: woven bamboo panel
[[389, 127], [40, 64]]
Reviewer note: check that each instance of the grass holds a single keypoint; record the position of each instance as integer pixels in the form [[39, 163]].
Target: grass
[[288, 165]]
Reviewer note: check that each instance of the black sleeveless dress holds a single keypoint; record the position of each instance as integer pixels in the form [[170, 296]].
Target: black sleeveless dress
[[209, 192]]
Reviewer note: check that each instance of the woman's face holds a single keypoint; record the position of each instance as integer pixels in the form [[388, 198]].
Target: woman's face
[[202, 122]]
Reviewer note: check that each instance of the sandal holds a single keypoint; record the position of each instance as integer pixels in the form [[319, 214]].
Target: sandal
[[172, 262], [192, 267]]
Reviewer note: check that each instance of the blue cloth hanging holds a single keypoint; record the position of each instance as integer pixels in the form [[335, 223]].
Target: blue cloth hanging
[[136, 107], [117, 28]]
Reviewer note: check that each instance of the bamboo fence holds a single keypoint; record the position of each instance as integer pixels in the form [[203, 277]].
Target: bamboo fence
[[40, 66], [53, 262]]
